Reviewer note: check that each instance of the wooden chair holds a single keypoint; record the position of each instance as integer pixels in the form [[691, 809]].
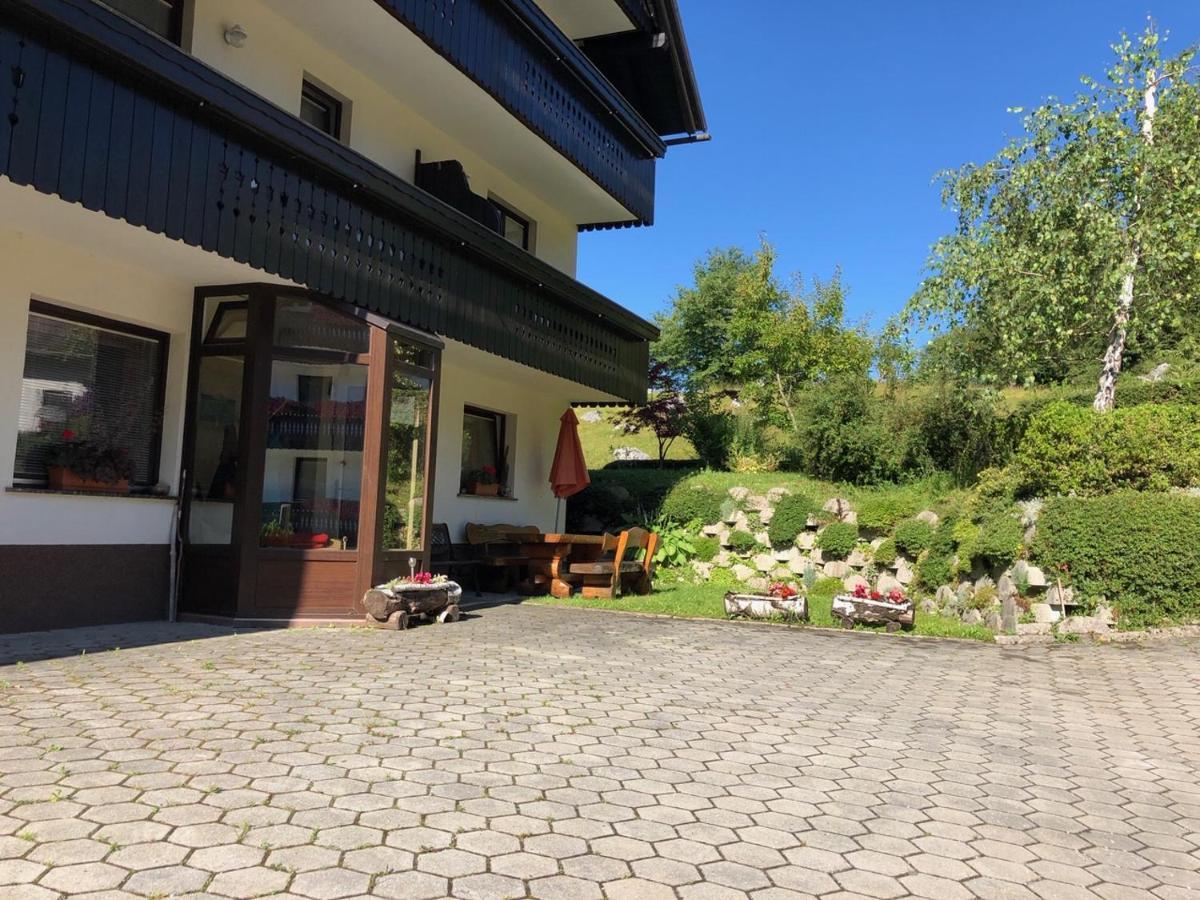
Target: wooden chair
[[611, 577], [444, 560]]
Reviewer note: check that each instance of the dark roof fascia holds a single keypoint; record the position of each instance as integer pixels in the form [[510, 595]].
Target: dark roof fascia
[[586, 71], [681, 59], [107, 34]]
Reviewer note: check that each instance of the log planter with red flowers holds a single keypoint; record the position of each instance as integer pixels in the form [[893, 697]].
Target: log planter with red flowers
[[893, 610], [782, 601]]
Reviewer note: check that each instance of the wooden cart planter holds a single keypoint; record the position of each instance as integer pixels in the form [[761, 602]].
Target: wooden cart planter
[[853, 610], [765, 606], [394, 606]]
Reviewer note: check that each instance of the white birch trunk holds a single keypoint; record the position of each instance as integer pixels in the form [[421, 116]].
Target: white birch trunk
[[1106, 392]]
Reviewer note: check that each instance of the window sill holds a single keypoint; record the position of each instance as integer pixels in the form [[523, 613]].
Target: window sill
[[487, 497], [101, 495]]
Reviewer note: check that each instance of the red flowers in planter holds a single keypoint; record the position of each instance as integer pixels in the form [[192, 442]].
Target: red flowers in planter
[[782, 591], [894, 596], [68, 434]]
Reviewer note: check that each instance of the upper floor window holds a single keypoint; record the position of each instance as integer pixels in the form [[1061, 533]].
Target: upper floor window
[[516, 228], [321, 110], [163, 17], [91, 398]]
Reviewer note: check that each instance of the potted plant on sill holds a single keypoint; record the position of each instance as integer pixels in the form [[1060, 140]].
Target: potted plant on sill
[[79, 464], [781, 599], [893, 609], [485, 482]]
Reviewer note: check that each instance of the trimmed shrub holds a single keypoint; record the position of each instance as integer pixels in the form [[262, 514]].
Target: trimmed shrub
[[706, 548], [882, 511], [742, 541], [885, 553], [1070, 449], [690, 501], [1000, 537], [838, 539], [1140, 551], [913, 536], [937, 566], [791, 518]]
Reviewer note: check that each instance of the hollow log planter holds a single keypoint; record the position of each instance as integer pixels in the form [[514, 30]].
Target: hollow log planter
[[764, 606], [394, 607], [851, 611]]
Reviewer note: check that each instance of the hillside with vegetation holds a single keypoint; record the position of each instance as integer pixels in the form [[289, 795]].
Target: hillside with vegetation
[[1028, 428]]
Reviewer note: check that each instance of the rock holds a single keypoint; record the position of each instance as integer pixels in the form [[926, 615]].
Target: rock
[[856, 560], [1035, 577], [964, 591], [1082, 625], [928, 515], [1106, 615], [714, 530], [876, 542], [741, 522], [904, 571], [1043, 613], [1060, 597], [592, 415], [994, 621], [754, 501], [763, 538], [703, 570], [816, 555], [1008, 615], [630, 453], [1158, 373], [1033, 628], [836, 569], [764, 562], [739, 494], [799, 566], [885, 583], [742, 573], [929, 606], [838, 507], [972, 617], [852, 582], [814, 522], [944, 596], [776, 494], [984, 581], [806, 540], [758, 583], [766, 515], [781, 573], [723, 559], [1006, 587]]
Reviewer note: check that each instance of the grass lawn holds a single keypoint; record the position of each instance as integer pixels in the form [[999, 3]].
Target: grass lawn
[[706, 601], [599, 439]]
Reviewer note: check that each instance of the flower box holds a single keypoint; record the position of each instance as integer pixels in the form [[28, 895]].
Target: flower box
[[765, 606], [480, 489], [851, 610], [60, 478], [393, 605]]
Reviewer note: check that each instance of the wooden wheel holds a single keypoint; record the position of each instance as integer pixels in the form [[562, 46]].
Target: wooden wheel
[[847, 622], [449, 614]]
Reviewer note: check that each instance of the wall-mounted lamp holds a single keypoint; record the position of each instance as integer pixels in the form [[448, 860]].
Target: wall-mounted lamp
[[235, 36]]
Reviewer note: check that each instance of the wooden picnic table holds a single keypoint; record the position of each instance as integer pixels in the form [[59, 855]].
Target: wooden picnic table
[[550, 555]]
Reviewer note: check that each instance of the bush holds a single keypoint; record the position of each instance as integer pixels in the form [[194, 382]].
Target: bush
[[842, 435], [742, 541], [1071, 449], [1000, 537], [838, 539], [885, 553], [913, 536], [690, 501], [1140, 551], [706, 548], [882, 510], [791, 518], [937, 566], [709, 429]]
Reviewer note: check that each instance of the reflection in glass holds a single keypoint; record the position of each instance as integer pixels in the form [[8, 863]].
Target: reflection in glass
[[314, 457], [408, 420], [304, 324], [215, 460]]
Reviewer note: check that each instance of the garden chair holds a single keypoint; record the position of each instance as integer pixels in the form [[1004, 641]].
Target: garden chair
[[609, 578], [444, 560]]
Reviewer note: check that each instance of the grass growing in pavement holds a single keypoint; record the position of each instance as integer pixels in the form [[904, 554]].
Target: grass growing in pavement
[[706, 601]]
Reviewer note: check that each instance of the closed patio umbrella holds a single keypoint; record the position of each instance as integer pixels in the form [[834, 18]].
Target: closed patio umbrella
[[568, 474]]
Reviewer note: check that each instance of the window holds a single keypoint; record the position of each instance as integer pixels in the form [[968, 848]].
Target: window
[[163, 17], [321, 110], [484, 452], [514, 227], [407, 433], [90, 379]]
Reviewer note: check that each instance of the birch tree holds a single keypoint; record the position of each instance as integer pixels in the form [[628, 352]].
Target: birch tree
[[1081, 239]]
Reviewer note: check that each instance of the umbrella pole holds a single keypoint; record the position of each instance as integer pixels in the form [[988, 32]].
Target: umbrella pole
[[557, 505]]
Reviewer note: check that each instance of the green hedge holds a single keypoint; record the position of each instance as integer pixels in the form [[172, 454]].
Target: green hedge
[[791, 518], [690, 501], [912, 536], [742, 542], [1071, 449], [838, 539], [706, 547], [885, 553], [1139, 550], [883, 510]]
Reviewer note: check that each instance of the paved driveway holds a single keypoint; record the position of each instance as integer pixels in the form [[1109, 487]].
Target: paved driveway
[[568, 753]]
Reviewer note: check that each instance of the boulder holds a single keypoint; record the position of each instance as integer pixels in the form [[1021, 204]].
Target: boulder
[[1082, 625], [904, 571], [764, 562], [766, 515], [742, 573], [876, 542], [1043, 613], [964, 591], [741, 522], [723, 560], [776, 494], [703, 570], [1106, 615], [814, 522], [1060, 597], [928, 515], [836, 569], [994, 621], [763, 537], [756, 502], [630, 453], [1006, 587], [1035, 576], [944, 596], [806, 540], [1033, 628], [800, 565], [972, 617], [852, 582], [1158, 373], [718, 530], [739, 494], [816, 555], [758, 583], [838, 507], [885, 583], [592, 415], [856, 560]]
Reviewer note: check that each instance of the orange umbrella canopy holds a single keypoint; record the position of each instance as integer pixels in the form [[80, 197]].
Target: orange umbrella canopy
[[569, 474]]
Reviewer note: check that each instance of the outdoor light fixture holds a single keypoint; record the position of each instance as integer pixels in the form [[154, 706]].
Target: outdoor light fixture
[[235, 36]]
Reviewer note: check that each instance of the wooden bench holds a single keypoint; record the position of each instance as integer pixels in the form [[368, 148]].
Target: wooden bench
[[609, 578]]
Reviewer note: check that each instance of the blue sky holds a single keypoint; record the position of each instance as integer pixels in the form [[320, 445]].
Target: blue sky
[[829, 121]]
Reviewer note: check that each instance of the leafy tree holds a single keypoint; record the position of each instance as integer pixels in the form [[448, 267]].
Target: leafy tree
[[663, 414], [1080, 239]]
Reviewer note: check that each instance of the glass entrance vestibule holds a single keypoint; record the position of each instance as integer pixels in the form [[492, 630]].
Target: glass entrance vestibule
[[308, 454]]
